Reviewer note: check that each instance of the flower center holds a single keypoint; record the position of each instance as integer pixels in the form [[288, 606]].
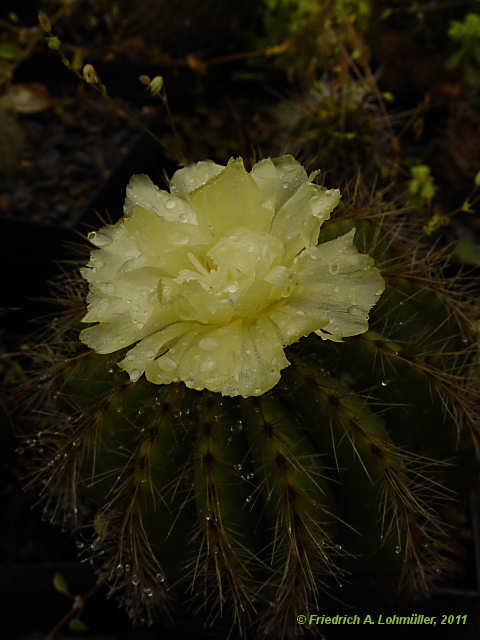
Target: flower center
[[236, 278]]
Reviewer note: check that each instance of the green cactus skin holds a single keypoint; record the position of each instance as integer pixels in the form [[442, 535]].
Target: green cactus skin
[[253, 510]]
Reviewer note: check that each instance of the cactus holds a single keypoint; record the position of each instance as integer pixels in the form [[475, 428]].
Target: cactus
[[256, 503]]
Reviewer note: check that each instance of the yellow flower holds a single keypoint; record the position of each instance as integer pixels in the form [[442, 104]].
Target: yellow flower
[[211, 281]]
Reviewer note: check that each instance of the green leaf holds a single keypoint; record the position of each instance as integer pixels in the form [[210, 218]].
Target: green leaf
[[54, 43], [435, 223], [60, 584], [466, 206], [477, 180], [9, 51], [77, 625]]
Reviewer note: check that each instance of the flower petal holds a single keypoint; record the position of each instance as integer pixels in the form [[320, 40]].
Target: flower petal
[[164, 243], [142, 192], [186, 180], [337, 287], [111, 336], [230, 200], [237, 359], [279, 178], [298, 221], [150, 347]]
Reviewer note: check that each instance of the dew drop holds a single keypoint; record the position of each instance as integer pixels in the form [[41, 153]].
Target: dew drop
[[80, 544], [135, 580], [384, 383], [119, 569], [148, 592], [159, 577], [237, 467], [334, 268], [208, 343], [20, 450], [397, 549], [237, 426], [250, 476], [99, 239], [127, 568]]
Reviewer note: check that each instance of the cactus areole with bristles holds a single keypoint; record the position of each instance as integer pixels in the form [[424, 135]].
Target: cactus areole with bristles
[[273, 382], [212, 280]]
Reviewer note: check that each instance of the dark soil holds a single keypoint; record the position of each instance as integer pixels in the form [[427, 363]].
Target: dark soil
[[68, 152]]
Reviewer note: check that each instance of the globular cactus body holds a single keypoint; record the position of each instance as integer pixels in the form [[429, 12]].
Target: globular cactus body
[[268, 503]]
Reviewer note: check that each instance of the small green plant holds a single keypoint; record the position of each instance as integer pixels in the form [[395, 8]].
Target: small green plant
[[466, 34], [421, 187]]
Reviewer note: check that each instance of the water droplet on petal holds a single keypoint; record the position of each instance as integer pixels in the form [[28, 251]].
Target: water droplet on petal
[[334, 268], [208, 343], [99, 239]]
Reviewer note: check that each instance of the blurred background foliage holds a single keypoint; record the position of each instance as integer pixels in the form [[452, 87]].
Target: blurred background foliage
[[382, 96]]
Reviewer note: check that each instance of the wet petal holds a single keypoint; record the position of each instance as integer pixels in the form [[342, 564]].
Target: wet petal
[[142, 192], [186, 180], [298, 221], [337, 287], [150, 347], [111, 336], [165, 244], [237, 359], [231, 200], [279, 178]]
